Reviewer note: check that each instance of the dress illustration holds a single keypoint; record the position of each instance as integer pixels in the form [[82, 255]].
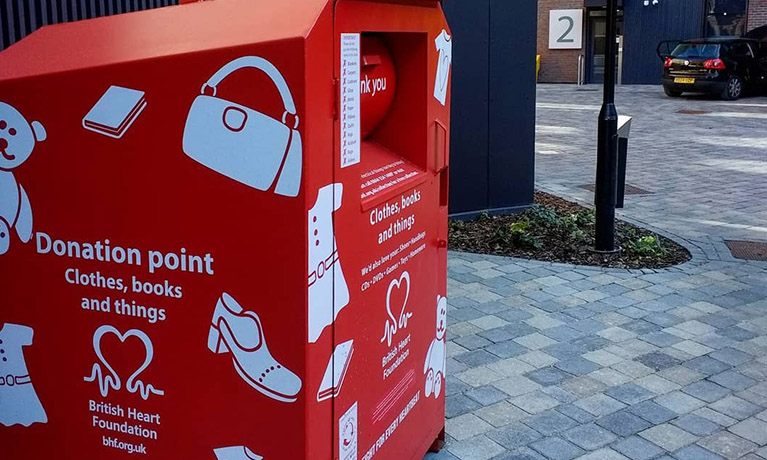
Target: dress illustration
[[19, 404]]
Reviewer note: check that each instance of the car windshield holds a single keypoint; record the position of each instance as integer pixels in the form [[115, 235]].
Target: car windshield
[[696, 50]]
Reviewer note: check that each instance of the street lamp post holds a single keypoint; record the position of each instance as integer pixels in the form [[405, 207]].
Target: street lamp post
[[607, 144]]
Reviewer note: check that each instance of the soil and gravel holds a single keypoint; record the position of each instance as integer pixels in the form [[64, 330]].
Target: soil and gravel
[[557, 230]]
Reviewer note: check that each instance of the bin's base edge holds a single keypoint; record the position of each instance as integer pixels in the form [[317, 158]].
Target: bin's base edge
[[439, 443]]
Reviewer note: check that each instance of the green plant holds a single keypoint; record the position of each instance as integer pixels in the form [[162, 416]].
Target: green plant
[[519, 233], [631, 233], [456, 224], [520, 227], [585, 217], [570, 226], [542, 216], [648, 246]]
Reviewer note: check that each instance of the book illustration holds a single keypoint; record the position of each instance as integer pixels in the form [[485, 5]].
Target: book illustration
[[115, 112], [336, 371]]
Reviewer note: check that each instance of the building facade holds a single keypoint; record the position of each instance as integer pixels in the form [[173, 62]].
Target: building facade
[[19, 18], [757, 14], [642, 25], [492, 139]]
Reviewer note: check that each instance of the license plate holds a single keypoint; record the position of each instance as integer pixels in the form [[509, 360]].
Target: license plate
[[688, 81]]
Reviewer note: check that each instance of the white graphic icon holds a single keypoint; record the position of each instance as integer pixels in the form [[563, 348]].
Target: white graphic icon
[[19, 404], [328, 292], [244, 144], [18, 139], [336, 371], [347, 434], [236, 453], [436, 357], [115, 112], [444, 45], [396, 323], [241, 333], [105, 375]]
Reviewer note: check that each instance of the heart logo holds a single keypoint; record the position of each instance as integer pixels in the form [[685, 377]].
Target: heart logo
[[112, 380], [394, 324]]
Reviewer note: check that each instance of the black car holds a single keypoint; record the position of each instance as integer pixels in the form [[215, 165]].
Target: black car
[[727, 66]]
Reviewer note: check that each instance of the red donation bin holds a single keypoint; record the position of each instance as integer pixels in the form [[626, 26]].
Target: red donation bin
[[223, 233]]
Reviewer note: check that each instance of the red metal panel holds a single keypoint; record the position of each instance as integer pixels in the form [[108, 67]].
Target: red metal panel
[[159, 33], [188, 271], [392, 223]]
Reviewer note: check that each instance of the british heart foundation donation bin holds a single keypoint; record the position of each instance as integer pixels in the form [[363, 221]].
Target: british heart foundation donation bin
[[223, 233]]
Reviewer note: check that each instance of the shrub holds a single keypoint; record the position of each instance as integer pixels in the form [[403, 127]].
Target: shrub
[[542, 216], [648, 246], [521, 236]]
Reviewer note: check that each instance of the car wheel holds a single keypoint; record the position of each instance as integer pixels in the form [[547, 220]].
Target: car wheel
[[734, 89], [672, 93]]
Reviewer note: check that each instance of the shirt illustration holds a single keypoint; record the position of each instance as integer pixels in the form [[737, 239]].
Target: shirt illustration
[[444, 44], [19, 404]]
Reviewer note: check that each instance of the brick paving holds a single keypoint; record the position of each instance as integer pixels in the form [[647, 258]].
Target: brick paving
[[707, 173], [554, 361]]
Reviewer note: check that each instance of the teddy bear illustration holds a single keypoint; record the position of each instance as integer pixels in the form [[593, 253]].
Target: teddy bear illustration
[[18, 138], [434, 367]]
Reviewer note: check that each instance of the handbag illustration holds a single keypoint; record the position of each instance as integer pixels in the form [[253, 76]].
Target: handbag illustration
[[242, 143]]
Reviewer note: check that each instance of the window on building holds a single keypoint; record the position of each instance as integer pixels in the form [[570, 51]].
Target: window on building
[[726, 17]]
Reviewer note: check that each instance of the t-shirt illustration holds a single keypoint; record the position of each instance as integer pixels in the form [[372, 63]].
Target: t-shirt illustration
[[444, 44]]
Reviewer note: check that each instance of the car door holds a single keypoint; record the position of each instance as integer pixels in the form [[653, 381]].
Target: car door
[[757, 73], [742, 55], [760, 51]]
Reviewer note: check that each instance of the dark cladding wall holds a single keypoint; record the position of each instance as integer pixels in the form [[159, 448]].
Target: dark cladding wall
[[648, 26], [492, 162], [19, 18]]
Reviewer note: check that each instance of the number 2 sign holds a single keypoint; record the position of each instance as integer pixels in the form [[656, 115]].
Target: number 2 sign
[[566, 29]]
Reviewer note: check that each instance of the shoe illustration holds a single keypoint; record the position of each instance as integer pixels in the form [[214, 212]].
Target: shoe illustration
[[236, 453], [241, 333], [328, 291]]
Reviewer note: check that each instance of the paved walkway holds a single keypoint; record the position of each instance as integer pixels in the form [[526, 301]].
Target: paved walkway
[[707, 172], [550, 361]]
